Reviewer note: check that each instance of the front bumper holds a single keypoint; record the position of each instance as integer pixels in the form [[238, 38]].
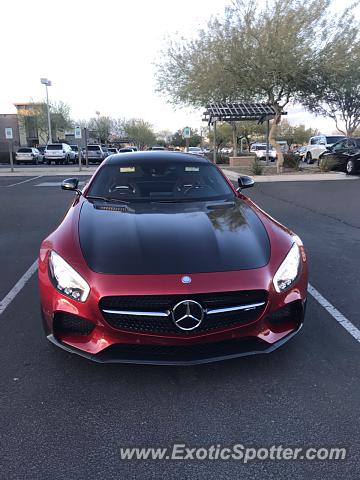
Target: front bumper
[[106, 344], [179, 355], [53, 157]]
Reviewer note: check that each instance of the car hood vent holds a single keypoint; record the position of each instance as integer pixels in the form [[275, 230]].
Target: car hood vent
[[113, 208]]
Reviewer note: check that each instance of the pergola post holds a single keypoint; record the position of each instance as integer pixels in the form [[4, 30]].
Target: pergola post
[[214, 126], [267, 141]]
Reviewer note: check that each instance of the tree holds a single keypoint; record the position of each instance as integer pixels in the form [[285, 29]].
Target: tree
[[164, 137], [139, 131], [294, 134], [249, 131], [177, 139], [101, 127], [333, 88], [194, 141], [37, 114], [223, 135], [253, 53]]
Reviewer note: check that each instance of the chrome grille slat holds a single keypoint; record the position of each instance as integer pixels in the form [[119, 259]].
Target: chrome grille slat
[[152, 313]]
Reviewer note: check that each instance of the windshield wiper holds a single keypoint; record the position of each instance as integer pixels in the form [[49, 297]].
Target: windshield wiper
[[169, 200], [106, 199]]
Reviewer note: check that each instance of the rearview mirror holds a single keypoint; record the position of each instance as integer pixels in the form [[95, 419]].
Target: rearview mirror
[[245, 182], [71, 184]]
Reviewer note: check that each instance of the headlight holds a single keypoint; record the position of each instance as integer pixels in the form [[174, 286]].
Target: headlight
[[288, 270], [66, 279]]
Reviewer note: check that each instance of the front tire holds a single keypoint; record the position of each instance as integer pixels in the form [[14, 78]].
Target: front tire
[[350, 167], [309, 159]]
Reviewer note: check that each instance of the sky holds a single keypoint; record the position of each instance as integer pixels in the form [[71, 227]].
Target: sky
[[100, 56]]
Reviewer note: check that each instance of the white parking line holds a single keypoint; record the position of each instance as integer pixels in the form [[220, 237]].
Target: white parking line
[[334, 312], [24, 181], [5, 302]]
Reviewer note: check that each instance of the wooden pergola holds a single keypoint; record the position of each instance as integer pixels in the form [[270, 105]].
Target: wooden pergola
[[239, 112]]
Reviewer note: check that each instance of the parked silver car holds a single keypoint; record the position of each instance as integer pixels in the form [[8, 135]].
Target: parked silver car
[[60, 153], [112, 150], [96, 154], [28, 155]]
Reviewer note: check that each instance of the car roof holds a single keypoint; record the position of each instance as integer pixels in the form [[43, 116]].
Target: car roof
[[159, 156]]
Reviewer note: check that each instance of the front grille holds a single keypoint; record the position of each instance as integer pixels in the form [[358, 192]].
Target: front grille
[[162, 303], [71, 324]]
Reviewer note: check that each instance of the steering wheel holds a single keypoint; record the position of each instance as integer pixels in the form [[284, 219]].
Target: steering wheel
[[126, 188]]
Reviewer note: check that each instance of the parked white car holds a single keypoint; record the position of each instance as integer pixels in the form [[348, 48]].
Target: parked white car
[[112, 150], [96, 153], [260, 151], [28, 155], [59, 153], [196, 151], [318, 145]]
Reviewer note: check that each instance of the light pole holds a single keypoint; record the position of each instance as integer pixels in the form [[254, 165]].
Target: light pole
[[98, 125], [47, 84]]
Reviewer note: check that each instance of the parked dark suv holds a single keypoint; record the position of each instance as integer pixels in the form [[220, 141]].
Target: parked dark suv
[[344, 154]]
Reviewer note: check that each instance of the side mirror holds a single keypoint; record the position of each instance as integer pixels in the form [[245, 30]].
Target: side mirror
[[245, 182], [71, 184]]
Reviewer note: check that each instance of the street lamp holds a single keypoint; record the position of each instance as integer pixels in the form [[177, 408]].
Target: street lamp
[[97, 124], [47, 84]]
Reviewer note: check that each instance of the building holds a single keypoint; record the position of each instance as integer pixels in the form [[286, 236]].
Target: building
[[32, 121], [8, 120]]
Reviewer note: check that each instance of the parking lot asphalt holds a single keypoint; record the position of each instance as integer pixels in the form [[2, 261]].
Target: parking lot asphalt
[[63, 417]]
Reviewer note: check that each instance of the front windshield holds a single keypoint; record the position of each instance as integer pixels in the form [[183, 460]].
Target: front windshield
[[150, 180], [331, 140]]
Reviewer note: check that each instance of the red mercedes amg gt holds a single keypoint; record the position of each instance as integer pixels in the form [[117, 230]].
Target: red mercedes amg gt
[[161, 260]]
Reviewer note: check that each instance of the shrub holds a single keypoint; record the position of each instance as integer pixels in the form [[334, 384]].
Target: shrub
[[327, 164], [220, 158], [291, 161], [257, 168]]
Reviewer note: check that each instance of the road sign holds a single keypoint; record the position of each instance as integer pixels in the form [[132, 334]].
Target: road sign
[[186, 133], [9, 133], [77, 132]]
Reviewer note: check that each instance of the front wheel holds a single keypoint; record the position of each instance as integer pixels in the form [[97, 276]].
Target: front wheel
[[309, 160], [350, 167]]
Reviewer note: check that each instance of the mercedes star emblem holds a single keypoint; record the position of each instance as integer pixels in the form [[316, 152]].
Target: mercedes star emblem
[[186, 279], [187, 315]]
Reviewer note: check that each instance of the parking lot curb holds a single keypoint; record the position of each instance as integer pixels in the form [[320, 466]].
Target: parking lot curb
[[310, 177], [47, 172]]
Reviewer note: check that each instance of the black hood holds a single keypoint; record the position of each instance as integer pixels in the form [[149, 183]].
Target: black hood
[[172, 238]]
